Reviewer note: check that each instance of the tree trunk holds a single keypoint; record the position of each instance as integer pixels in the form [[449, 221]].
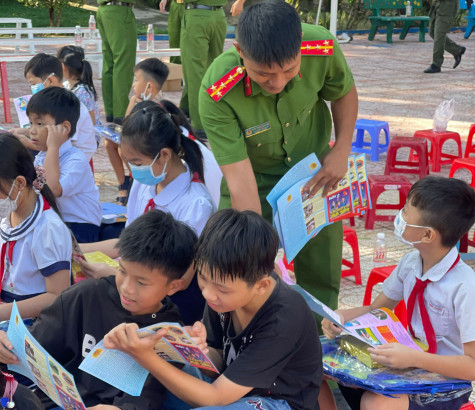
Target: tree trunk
[[58, 18], [51, 16]]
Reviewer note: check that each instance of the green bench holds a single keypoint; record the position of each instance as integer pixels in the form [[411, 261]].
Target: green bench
[[379, 20]]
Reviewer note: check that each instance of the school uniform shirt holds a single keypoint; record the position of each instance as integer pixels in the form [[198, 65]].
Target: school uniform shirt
[[448, 299], [42, 246], [187, 201], [84, 137], [79, 319], [212, 172], [79, 201]]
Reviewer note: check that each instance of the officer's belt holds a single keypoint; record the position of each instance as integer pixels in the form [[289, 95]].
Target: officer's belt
[[118, 3], [202, 7]]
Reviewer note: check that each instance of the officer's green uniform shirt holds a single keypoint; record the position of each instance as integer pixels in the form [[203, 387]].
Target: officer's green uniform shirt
[[274, 131], [277, 131]]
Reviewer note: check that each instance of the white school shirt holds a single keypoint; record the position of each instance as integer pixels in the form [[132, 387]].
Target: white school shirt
[[187, 201], [212, 171], [84, 138], [79, 201], [43, 247], [448, 299]]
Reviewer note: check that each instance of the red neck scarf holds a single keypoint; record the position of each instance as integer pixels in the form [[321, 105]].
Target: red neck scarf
[[418, 292]]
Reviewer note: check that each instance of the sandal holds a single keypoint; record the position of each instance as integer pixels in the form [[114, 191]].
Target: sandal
[[125, 186]]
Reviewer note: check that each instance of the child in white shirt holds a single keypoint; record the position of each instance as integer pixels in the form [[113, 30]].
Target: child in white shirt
[[53, 113], [35, 243]]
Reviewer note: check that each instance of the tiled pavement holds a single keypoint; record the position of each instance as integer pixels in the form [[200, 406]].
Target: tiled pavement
[[392, 87]]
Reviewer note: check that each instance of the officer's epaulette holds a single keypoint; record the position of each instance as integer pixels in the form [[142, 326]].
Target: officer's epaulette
[[221, 87], [317, 48]]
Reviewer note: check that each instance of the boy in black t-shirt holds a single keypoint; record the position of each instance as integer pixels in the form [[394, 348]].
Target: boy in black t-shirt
[[259, 331], [155, 251]]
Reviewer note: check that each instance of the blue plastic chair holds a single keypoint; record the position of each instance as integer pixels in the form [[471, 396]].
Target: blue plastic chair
[[470, 18], [373, 128]]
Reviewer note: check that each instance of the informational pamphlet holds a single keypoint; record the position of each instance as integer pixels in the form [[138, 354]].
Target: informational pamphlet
[[298, 218], [112, 213], [36, 364], [20, 104], [123, 372]]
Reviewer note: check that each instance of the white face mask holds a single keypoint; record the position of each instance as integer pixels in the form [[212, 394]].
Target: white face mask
[[146, 97], [7, 205], [400, 226]]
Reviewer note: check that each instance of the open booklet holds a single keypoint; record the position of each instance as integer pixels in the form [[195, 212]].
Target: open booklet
[[35, 363], [121, 371], [298, 218]]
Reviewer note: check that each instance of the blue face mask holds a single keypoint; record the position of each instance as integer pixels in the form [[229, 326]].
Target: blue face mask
[[144, 173], [36, 88]]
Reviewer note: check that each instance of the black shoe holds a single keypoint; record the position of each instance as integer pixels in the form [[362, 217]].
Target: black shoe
[[118, 120], [432, 69], [109, 118], [458, 57]]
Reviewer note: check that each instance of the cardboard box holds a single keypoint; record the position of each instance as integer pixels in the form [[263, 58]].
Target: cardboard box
[[174, 79]]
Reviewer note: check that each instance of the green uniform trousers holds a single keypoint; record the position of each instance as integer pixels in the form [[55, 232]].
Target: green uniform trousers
[[202, 40], [442, 14], [318, 265], [175, 16], [119, 43]]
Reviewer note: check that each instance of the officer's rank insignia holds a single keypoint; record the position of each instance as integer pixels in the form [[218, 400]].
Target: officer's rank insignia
[[221, 87], [317, 48]]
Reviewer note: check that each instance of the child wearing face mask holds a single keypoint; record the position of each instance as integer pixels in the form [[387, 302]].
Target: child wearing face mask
[[149, 76], [44, 71], [167, 168], [35, 243], [437, 288]]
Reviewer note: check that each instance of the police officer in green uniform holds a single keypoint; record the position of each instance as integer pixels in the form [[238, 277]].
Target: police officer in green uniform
[[202, 40], [116, 23], [262, 105], [442, 14], [175, 16]]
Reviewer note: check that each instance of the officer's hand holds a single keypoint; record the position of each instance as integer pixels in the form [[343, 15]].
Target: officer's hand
[[236, 8], [163, 4], [334, 168], [6, 356]]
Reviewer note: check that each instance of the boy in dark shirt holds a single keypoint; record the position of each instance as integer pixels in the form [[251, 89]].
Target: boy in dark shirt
[[155, 251], [259, 331]]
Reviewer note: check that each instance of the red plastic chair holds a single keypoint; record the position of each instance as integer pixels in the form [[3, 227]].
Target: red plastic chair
[[470, 147], [379, 184], [468, 406], [464, 163], [354, 268], [5, 92], [378, 275], [419, 145], [437, 140]]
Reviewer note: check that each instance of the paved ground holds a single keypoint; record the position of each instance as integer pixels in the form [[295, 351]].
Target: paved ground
[[392, 87]]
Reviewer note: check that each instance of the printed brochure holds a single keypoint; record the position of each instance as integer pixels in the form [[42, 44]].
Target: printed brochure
[[121, 371], [36, 364], [20, 104], [298, 218]]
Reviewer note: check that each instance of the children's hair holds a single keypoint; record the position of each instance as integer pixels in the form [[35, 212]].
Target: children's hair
[[74, 58], [180, 117], [149, 128], [445, 204], [270, 32], [159, 241], [16, 160], [42, 65], [154, 68], [58, 102], [237, 244], [24, 399]]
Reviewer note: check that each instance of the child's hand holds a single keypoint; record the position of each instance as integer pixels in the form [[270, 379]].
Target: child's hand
[[198, 333], [393, 355], [125, 338], [6, 356], [94, 270], [57, 135], [331, 330]]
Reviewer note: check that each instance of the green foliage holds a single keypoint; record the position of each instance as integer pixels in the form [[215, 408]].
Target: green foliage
[[54, 8]]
